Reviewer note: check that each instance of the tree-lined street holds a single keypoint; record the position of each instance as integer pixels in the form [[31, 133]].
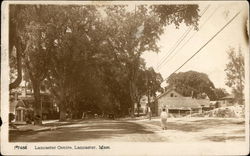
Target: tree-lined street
[[84, 66], [89, 57]]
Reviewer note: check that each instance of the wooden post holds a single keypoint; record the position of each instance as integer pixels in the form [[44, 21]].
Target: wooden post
[[179, 113], [21, 114], [42, 108]]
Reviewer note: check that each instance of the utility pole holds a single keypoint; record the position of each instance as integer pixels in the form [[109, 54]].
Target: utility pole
[[148, 87], [148, 92], [41, 108]]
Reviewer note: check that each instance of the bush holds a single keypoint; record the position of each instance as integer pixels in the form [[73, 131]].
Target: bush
[[11, 117]]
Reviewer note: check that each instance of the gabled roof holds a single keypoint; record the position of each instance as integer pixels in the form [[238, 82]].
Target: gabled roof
[[167, 92], [20, 103]]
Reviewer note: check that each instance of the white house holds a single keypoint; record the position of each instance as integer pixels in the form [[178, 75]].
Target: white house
[[178, 105]]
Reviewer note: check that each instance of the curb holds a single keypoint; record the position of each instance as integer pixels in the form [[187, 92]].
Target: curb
[[46, 129], [34, 130]]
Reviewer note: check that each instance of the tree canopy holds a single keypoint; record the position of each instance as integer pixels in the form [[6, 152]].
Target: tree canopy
[[192, 83], [90, 56], [220, 93], [235, 73]]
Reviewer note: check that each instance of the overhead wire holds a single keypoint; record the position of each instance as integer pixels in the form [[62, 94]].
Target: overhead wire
[[184, 35], [207, 42], [191, 36]]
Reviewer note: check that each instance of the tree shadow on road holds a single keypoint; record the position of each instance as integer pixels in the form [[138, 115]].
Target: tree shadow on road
[[85, 132]]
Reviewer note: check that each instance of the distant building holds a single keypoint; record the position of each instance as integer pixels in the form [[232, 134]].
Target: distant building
[[179, 105], [144, 105], [22, 103], [18, 108], [214, 104], [226, 101]]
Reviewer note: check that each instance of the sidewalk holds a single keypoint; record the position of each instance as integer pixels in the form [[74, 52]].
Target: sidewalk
[[47, 125]]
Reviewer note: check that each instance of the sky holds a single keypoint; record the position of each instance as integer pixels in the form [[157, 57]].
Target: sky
[[212, 59]]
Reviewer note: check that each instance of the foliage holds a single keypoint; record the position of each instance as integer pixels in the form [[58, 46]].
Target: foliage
[[90, 56], [192, 83], [27, 40], [176, 14], [130, 33], [153, 83], [15, 47], [235, 73], [220, 93]]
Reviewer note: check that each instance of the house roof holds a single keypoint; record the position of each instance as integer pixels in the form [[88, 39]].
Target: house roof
[[20, 103], [184, 103], [167, 92], [227, 97]]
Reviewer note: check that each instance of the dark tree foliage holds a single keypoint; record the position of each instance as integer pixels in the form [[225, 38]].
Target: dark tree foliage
[[192, 83], [89, 57], [236, 73], [176, 14], [132, 33], [220, 93]]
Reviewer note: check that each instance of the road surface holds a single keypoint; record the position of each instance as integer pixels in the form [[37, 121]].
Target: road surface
[[94, 130], [179, 130]]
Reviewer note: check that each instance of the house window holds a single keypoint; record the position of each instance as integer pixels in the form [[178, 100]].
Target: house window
[[172, 94]]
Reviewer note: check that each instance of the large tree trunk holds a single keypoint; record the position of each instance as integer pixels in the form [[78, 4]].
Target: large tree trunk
[[38, 105], [132, 96], [18, 80], [62, 115], [138, 105], [15, 41], [138, 109], [63, 111], [133, 69], [75, 111]]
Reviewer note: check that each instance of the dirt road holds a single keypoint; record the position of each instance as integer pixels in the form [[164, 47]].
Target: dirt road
[[179, 130]]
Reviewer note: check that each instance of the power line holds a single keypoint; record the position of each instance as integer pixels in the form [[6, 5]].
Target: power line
[[207, 42], [191, 37], [174, 47], [180, 40]]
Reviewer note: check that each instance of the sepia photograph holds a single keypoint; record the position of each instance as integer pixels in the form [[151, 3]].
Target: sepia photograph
[[125, 77]]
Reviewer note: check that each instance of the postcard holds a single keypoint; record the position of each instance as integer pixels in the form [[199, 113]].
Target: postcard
[[125, 78]]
